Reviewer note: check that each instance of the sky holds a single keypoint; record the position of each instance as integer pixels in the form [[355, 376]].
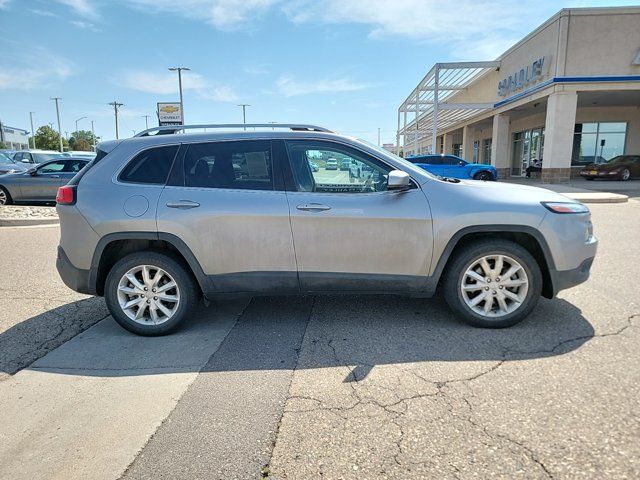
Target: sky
[[343, 64]]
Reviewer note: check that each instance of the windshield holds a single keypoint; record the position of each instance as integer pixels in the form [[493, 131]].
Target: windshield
[[387, 153], [618, 159], [45, 157], [5, 160]]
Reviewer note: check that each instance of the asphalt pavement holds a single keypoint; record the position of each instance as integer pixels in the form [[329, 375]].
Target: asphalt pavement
[[324, 387]]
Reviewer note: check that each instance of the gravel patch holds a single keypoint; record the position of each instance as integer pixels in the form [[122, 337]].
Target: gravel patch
[[11, 212]]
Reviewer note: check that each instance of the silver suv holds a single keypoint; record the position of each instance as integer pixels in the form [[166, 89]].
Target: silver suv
[[159, 220]]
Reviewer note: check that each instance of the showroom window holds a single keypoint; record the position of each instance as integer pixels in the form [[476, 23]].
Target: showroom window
[[598, 142], [486, 151]]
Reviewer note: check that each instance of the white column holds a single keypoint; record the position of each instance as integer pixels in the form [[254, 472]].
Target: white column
[[558, 137], [500, 144], [467, 142], [447, 143]]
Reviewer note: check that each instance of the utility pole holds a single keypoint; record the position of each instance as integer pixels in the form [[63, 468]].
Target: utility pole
[[244, 113], [33, 134], [378, 136], [179, 70], [146, 121], [93, 140], [115, 106], [56, 99]]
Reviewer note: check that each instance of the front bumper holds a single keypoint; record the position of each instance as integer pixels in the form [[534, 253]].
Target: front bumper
[[563, 279], [74, 278]]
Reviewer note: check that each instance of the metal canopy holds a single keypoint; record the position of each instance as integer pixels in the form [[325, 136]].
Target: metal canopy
[[432, 102]]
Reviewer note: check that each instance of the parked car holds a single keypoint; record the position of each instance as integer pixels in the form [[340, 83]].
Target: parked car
[[40, 183], [331, 164], [452, 166], [36, 156], [8, 165], [314, 166], [622, 167], [345, 163], [80, 154], [135, 230]]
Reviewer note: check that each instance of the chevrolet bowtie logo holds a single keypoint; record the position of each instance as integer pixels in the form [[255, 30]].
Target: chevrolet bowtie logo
[[169, 109]]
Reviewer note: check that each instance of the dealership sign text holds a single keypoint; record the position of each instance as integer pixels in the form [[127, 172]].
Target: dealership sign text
[[523, 78]]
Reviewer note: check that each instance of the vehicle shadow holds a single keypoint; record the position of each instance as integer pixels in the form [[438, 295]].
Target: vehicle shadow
[[271, 332]]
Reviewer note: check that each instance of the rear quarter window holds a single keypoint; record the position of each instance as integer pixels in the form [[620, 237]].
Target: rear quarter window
[[151, 166]]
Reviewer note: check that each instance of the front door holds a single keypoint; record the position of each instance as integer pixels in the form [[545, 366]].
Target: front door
[[43, 184], [350, 232], [226, 201]]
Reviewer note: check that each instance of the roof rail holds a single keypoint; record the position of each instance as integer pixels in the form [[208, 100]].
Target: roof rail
[[170, 129]]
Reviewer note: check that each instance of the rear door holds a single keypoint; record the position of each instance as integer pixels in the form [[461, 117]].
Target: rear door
[[226, 201], [352, 233]]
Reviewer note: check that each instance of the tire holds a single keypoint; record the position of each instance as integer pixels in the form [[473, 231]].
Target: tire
[[483, 175], [186, 291], [591, 179], [455, 274], [5, 197], [625, 175]]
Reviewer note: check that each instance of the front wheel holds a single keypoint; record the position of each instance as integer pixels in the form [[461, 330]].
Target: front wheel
[[149, 293], [625, 175], [484, 175], [492, 283]]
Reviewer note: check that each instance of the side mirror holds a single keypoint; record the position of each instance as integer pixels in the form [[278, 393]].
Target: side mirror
[[25, 160], [461, 163], [32, 171], [398, 180]]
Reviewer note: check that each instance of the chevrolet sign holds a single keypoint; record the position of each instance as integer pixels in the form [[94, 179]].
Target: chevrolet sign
[[170, 113]]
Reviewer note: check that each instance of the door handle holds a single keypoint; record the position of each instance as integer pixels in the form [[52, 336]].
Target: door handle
[[183, 204], [313, 207]]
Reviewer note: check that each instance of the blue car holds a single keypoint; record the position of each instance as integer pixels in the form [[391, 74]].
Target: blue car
[[451, 166]]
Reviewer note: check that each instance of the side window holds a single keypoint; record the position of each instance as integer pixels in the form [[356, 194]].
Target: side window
[[434, 160], [332, 168], [450, 160], [245, 165], [150, 166], [53, 167], [74, 166]]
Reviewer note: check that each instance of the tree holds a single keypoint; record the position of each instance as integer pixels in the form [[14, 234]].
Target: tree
[[84, 135], [2, 145], [47, 138], [81, 145]]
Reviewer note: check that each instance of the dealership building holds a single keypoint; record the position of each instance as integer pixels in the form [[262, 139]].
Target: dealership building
[[567, 94], [14, 138]]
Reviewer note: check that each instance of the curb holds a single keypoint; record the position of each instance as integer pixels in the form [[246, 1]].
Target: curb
[[598, 198], [27, 222]]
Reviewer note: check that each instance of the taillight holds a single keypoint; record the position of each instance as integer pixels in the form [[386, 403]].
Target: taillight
[[66, 195]]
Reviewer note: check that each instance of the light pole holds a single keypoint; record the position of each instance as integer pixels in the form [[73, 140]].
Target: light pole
[[115, 106], [378, 136], [33, 134], [93, 140], [81, 118], [179, 70], [146, 121], [244, 113], [56, 99]]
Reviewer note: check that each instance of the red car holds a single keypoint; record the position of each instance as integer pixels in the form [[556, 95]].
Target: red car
[[622, 167]]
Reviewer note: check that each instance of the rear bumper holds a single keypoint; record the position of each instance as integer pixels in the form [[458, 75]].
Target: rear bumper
[[74, 278], [563, 279]]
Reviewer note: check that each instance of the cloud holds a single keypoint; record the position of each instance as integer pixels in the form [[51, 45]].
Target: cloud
[[32, 69], [222, 14], [260, 69], [289, 87], [85, 25], [4, 4], [43, 13], [83, 8], [166, 84]]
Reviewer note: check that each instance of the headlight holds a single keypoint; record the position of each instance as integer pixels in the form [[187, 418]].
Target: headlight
[[565, 207]]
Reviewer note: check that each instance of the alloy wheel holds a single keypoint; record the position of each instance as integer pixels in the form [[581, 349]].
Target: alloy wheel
[[626, 174], [494, 285], [148, 295], [3, 197]]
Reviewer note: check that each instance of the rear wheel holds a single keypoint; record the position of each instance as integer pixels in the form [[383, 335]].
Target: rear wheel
[[484, 175], [5, 197], [493, 284], [150, 293]]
